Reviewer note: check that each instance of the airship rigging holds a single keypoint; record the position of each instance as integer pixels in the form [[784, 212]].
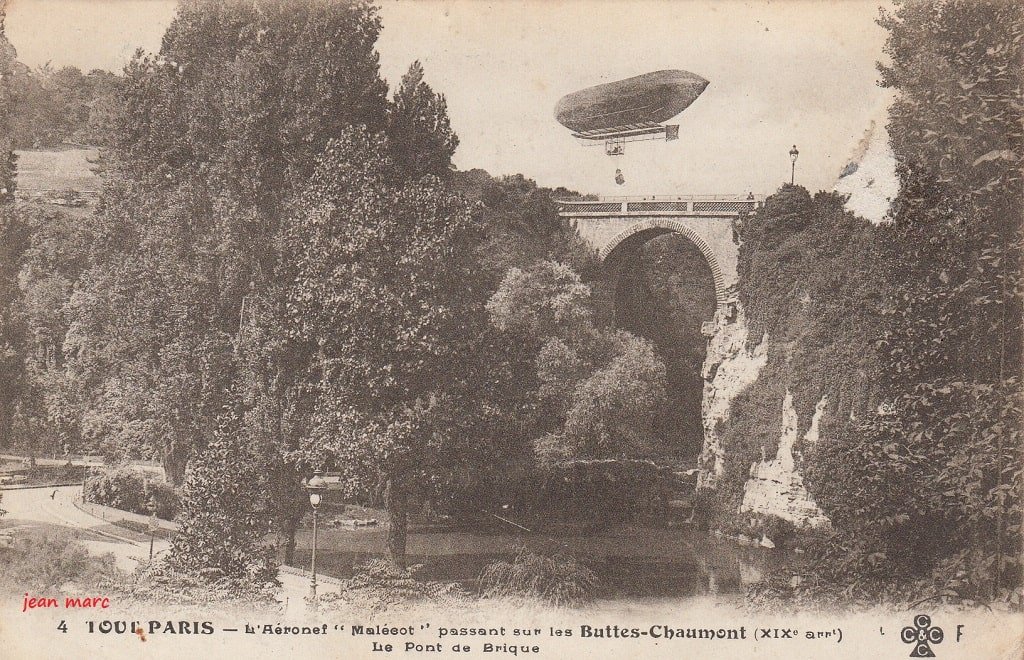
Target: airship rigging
[[630, 110]]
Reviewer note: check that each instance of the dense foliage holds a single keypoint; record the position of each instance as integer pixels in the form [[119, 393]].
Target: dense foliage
[[379, 586], [131, 490], [158, 583], [912, 329], [188, 293], [51, 565], [810, 277], [7, 110], [180, 314], [13, 241], [599, 388], [62, 106], [385, 287], [945, 453], [521, 224], [226, 502], [55, 255]]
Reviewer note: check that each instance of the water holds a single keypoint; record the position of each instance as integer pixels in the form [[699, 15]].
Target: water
[[629, 560]]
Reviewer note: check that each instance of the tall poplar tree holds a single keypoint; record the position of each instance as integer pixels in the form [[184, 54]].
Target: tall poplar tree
[[7, 158], [13, 243], [388, 287]]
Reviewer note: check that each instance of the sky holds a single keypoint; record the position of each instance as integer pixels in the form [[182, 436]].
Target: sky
[[797, 72]]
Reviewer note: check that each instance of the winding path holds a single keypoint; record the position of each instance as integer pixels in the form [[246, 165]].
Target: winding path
[[29, 507]]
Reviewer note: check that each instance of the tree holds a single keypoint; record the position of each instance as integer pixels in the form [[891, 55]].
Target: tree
[[613, 409], [953, 344], [599, 390], [386, 286], [227, 497], [213, 140], [421, 135], [14, 241], [927, 485], [7, 109], [62, 105], [522, 225], [187, 296]]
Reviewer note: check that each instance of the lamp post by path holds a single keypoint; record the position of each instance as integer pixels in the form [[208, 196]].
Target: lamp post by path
[[793, 154], [151, 507], [316, 487]]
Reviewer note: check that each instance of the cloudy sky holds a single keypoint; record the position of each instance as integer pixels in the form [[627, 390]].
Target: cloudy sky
[[782, 73]]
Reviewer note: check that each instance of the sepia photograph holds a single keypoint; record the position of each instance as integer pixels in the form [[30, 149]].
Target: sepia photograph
[[520, 329]]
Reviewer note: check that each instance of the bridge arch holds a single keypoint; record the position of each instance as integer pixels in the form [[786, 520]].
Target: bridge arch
[[643, 230]]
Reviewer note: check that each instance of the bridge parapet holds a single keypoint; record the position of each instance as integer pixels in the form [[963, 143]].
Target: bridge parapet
[[671, 205]]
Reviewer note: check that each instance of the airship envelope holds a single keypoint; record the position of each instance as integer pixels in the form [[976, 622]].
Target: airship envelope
[[651, 98]]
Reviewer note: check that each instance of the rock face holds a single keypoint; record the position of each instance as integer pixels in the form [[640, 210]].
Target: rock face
[[775, 486], [728, 369]]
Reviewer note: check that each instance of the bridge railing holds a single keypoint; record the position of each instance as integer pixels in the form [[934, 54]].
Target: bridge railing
[[705, 205]]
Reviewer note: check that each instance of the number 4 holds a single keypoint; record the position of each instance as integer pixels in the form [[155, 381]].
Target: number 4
[[62, 626]]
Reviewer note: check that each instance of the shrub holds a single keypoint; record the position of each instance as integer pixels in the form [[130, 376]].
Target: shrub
[[227, 510], [165, 497], [44, 564], [379, 585], [157, 582], [131, 491], [559, 580]]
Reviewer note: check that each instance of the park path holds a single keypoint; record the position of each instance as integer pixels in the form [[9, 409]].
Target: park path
[[56, 506]]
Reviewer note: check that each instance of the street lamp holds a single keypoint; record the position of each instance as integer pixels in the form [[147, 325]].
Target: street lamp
[[793, 154], [151, 507], [316, 487]]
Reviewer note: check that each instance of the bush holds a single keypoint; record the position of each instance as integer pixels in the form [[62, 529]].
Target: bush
[[44, 564], [379, 585], [157, 582], [559, 580], [227, 510], [131, 491], [165, 497], [66, 473]]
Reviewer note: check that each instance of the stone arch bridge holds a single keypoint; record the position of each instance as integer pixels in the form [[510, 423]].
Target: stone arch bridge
[[610, 223]]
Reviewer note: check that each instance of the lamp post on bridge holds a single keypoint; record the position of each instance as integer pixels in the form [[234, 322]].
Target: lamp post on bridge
[[793, 154], [316, 487]]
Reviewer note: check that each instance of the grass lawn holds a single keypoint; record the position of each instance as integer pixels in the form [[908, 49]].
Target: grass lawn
[[67, 169]]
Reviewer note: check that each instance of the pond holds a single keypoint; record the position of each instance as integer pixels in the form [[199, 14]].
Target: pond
[[629, 560]]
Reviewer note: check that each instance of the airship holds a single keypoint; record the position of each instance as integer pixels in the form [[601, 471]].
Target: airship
[[630, 110]]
